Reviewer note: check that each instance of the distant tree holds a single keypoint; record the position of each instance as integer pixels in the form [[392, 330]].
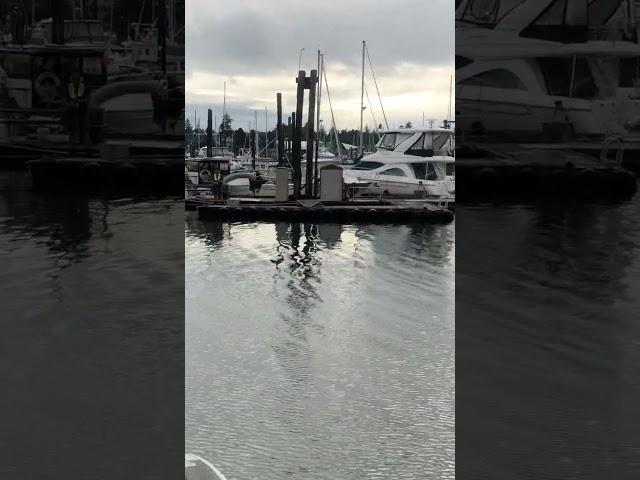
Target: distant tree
[[225, 126], [408, 125], [188, 128]]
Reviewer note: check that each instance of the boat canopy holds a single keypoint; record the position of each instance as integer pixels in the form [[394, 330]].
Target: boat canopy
[[554, 20]]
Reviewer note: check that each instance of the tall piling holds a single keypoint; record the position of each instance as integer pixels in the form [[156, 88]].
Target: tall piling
[[280, 132], [209, 133], [313, 81], [297, 134]]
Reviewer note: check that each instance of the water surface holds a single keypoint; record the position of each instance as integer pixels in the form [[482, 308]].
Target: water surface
[[92, 351], [320, 351], [547, 341]]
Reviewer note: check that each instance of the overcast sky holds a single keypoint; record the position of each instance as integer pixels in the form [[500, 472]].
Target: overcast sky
[[254, 46]]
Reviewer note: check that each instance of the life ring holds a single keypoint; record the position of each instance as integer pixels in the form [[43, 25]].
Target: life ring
[[205, 175], [48, 86]]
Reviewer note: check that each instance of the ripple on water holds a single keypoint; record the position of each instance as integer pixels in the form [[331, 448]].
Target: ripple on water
[[320, 351]]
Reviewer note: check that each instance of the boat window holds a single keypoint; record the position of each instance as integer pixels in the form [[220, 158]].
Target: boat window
[[395, 172], [393, 139], [562, 21], [601, 11], [366, 165], [629, 72], [92, 65], [487, 13], [15, 65], [558, 74], [497, 78], [451, 169], [430, 144], [462, 61], [424, 171]]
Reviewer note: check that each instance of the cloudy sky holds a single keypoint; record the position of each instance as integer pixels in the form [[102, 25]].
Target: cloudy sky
[[254, 46]]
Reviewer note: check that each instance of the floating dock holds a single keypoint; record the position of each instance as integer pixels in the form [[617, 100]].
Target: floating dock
[[379, 211], [520, 172], [133, 176]]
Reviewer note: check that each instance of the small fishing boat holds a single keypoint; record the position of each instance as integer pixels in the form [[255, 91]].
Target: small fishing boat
[[197, 468]]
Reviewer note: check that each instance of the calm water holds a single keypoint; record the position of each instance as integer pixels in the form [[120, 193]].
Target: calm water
[[92, 310], [320, 352], [548, 341]]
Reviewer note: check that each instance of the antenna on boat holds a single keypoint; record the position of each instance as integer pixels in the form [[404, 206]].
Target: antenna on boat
[[362, 100], [333, 120], [449, 112]]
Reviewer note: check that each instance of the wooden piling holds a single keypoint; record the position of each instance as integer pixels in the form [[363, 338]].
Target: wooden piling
[[209, 132], [297, 134], [311, 133], [280, 132]]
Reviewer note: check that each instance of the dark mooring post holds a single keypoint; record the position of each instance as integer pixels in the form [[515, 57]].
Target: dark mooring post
[[308, 189], [209, 132], [162, 35], [297, 136], [280, 132]]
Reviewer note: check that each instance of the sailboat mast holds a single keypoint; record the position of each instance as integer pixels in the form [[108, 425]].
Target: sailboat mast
[[362, 101], [317, 145], [257, 137], [266, 130]]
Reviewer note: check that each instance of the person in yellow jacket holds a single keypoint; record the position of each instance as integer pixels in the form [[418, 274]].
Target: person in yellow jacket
[[77, 95]]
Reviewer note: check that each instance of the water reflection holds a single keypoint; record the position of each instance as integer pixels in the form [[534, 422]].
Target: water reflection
[[90, 297], [547, 325], [333, 345]]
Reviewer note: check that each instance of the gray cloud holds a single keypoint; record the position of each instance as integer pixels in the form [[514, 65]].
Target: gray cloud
[[249, 38], [260, 41]]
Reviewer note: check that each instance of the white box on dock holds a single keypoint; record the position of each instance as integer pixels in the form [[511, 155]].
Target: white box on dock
[[331, 184], [282, 184]]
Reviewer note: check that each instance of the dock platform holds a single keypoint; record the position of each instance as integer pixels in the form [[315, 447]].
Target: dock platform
[[95, 175], [316, 211], [519, 171]]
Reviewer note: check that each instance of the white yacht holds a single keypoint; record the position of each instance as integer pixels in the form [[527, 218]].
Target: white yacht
[[521, 64], [408, 163]]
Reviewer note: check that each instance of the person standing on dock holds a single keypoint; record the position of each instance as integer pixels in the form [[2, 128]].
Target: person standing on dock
[[77, 93]]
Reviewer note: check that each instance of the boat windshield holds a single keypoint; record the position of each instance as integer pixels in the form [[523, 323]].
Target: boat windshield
[[486, 13], [432, 143], [367, 165], [391, 140]]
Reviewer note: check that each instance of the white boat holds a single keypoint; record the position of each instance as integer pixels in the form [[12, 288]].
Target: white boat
[[521, 65], [197, 468], [408, 163]]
